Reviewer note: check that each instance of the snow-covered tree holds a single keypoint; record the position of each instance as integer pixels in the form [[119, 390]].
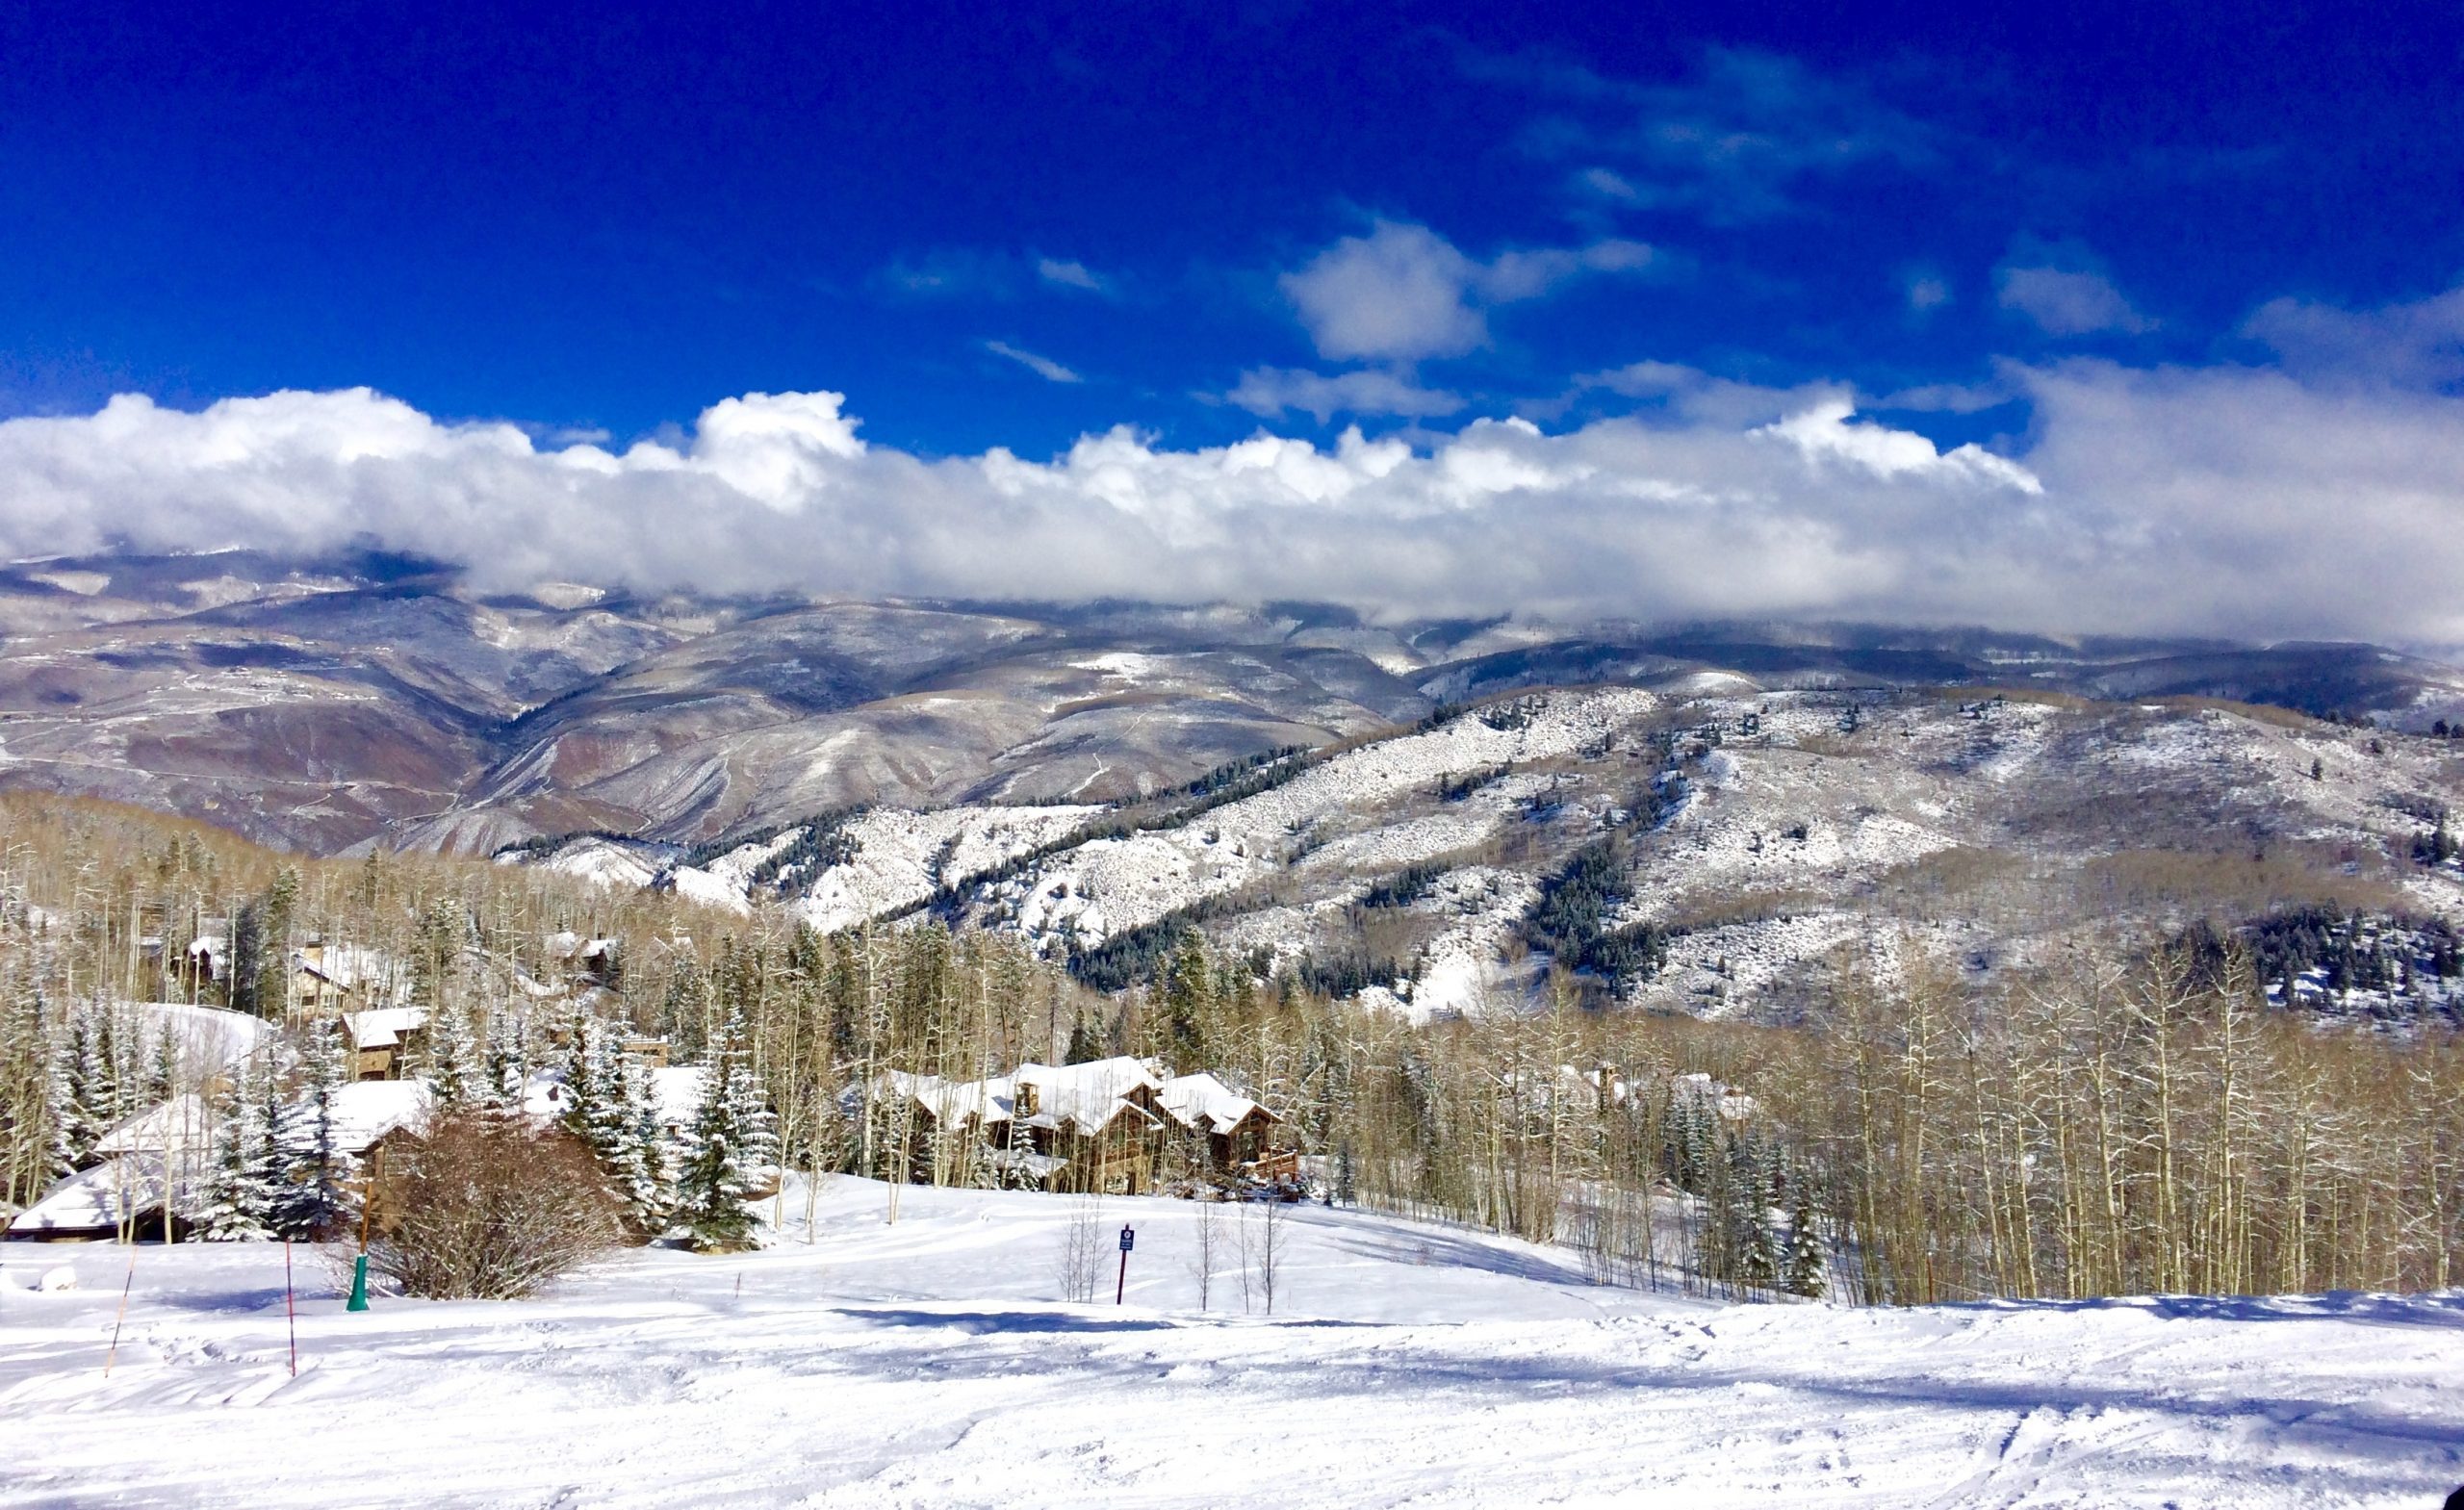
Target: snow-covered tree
[[640, 1167], [1806, 1269], [507, 1070], [610, 1113], [240, 1193], [453, 1070], [81, 1092], [318, 1196], [163, 1067], [1758, 1245], [730, 1141]]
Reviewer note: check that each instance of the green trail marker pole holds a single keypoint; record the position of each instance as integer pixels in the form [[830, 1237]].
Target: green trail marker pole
[[366, 1209]]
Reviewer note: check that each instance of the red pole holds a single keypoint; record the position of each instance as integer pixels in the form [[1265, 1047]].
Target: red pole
[[290, 1308], [126, 1286]]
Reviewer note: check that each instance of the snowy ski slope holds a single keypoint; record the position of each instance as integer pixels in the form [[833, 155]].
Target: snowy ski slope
[[927, 1364]]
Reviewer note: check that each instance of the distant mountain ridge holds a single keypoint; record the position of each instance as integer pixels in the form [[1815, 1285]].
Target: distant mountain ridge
[[372, 700]]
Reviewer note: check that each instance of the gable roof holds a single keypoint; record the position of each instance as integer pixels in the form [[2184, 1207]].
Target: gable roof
[[1085, 1098], [1205, 1103], [383, 1027]]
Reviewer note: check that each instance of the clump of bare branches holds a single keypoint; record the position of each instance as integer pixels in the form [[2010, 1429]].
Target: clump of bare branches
[[480, 1207], [1082, 1249]]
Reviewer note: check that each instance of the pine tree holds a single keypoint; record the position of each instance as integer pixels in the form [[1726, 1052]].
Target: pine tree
[[1758, 1245], [641, 1163], [452, 1071], [238, 1196], [163, 1069], [1022, 1148], [316, 1197], [729, 1143], [506, 1078], [85, 1093], [1807, 1270], [610, 1113]]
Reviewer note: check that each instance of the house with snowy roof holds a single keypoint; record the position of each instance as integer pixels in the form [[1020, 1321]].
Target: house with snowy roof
[[1106, 1125], [153, 1166], [327, 977], [383, 1040]]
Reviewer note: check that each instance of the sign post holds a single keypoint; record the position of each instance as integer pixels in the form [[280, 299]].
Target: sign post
[[1128, 1241]]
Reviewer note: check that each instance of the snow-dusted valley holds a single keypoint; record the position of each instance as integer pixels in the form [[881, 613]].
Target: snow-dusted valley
[[929, 1363], [332, 705]]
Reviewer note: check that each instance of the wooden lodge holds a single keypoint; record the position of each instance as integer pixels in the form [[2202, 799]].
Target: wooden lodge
[[1115, 1126]]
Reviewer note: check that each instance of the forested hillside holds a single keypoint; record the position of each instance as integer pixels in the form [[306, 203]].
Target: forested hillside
[[2135, 1114]]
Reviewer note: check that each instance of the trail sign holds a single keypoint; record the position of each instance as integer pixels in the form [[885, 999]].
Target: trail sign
[[1128, 1241]]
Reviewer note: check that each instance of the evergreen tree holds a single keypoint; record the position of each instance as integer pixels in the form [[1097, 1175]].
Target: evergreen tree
[[163, 1069], [454, 1071], [317, 1197], [237, 1202], [77, 1124], [1757, 1247], [1186, 991], [106, 1092], [612, 1114], [640, 1168], [1022, 1147], [1806, 1271], [506, 1076], [245, 966], [729, 1141]]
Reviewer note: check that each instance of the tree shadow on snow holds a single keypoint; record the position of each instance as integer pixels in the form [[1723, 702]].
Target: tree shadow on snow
[[2367, 1308], [1436, 1249]]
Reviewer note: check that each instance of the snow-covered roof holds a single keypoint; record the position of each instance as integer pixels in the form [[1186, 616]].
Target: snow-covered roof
[[1087, 1098], [97, 1199], [383, 1027], [183, 1122], [209, 1038], [566, 944], [988, 1102], [1202, 1101], [349, 966], [367, 1110]]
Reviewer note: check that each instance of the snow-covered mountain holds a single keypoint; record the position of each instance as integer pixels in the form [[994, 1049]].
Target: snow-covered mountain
[[376, 701], [1705, 847]]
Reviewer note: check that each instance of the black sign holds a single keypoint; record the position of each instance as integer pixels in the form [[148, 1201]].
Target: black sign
[[1128, 1239]]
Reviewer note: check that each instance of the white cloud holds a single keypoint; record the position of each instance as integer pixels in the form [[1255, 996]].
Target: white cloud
[[1043, 366], [1827, 434], [1070, 274], [2419, 342], [2069, 301], [2229, 500], [1272, 392], [1927, 293], [1403, 293], [1738, 141]]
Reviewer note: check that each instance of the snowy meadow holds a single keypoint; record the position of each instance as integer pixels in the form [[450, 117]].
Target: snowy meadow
[[927, 1362]]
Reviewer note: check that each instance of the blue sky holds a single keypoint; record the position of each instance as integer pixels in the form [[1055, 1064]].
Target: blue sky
[[608, 226], [1013, 227]]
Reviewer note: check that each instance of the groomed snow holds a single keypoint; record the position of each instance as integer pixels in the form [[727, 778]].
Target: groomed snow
[[926, 1364]]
